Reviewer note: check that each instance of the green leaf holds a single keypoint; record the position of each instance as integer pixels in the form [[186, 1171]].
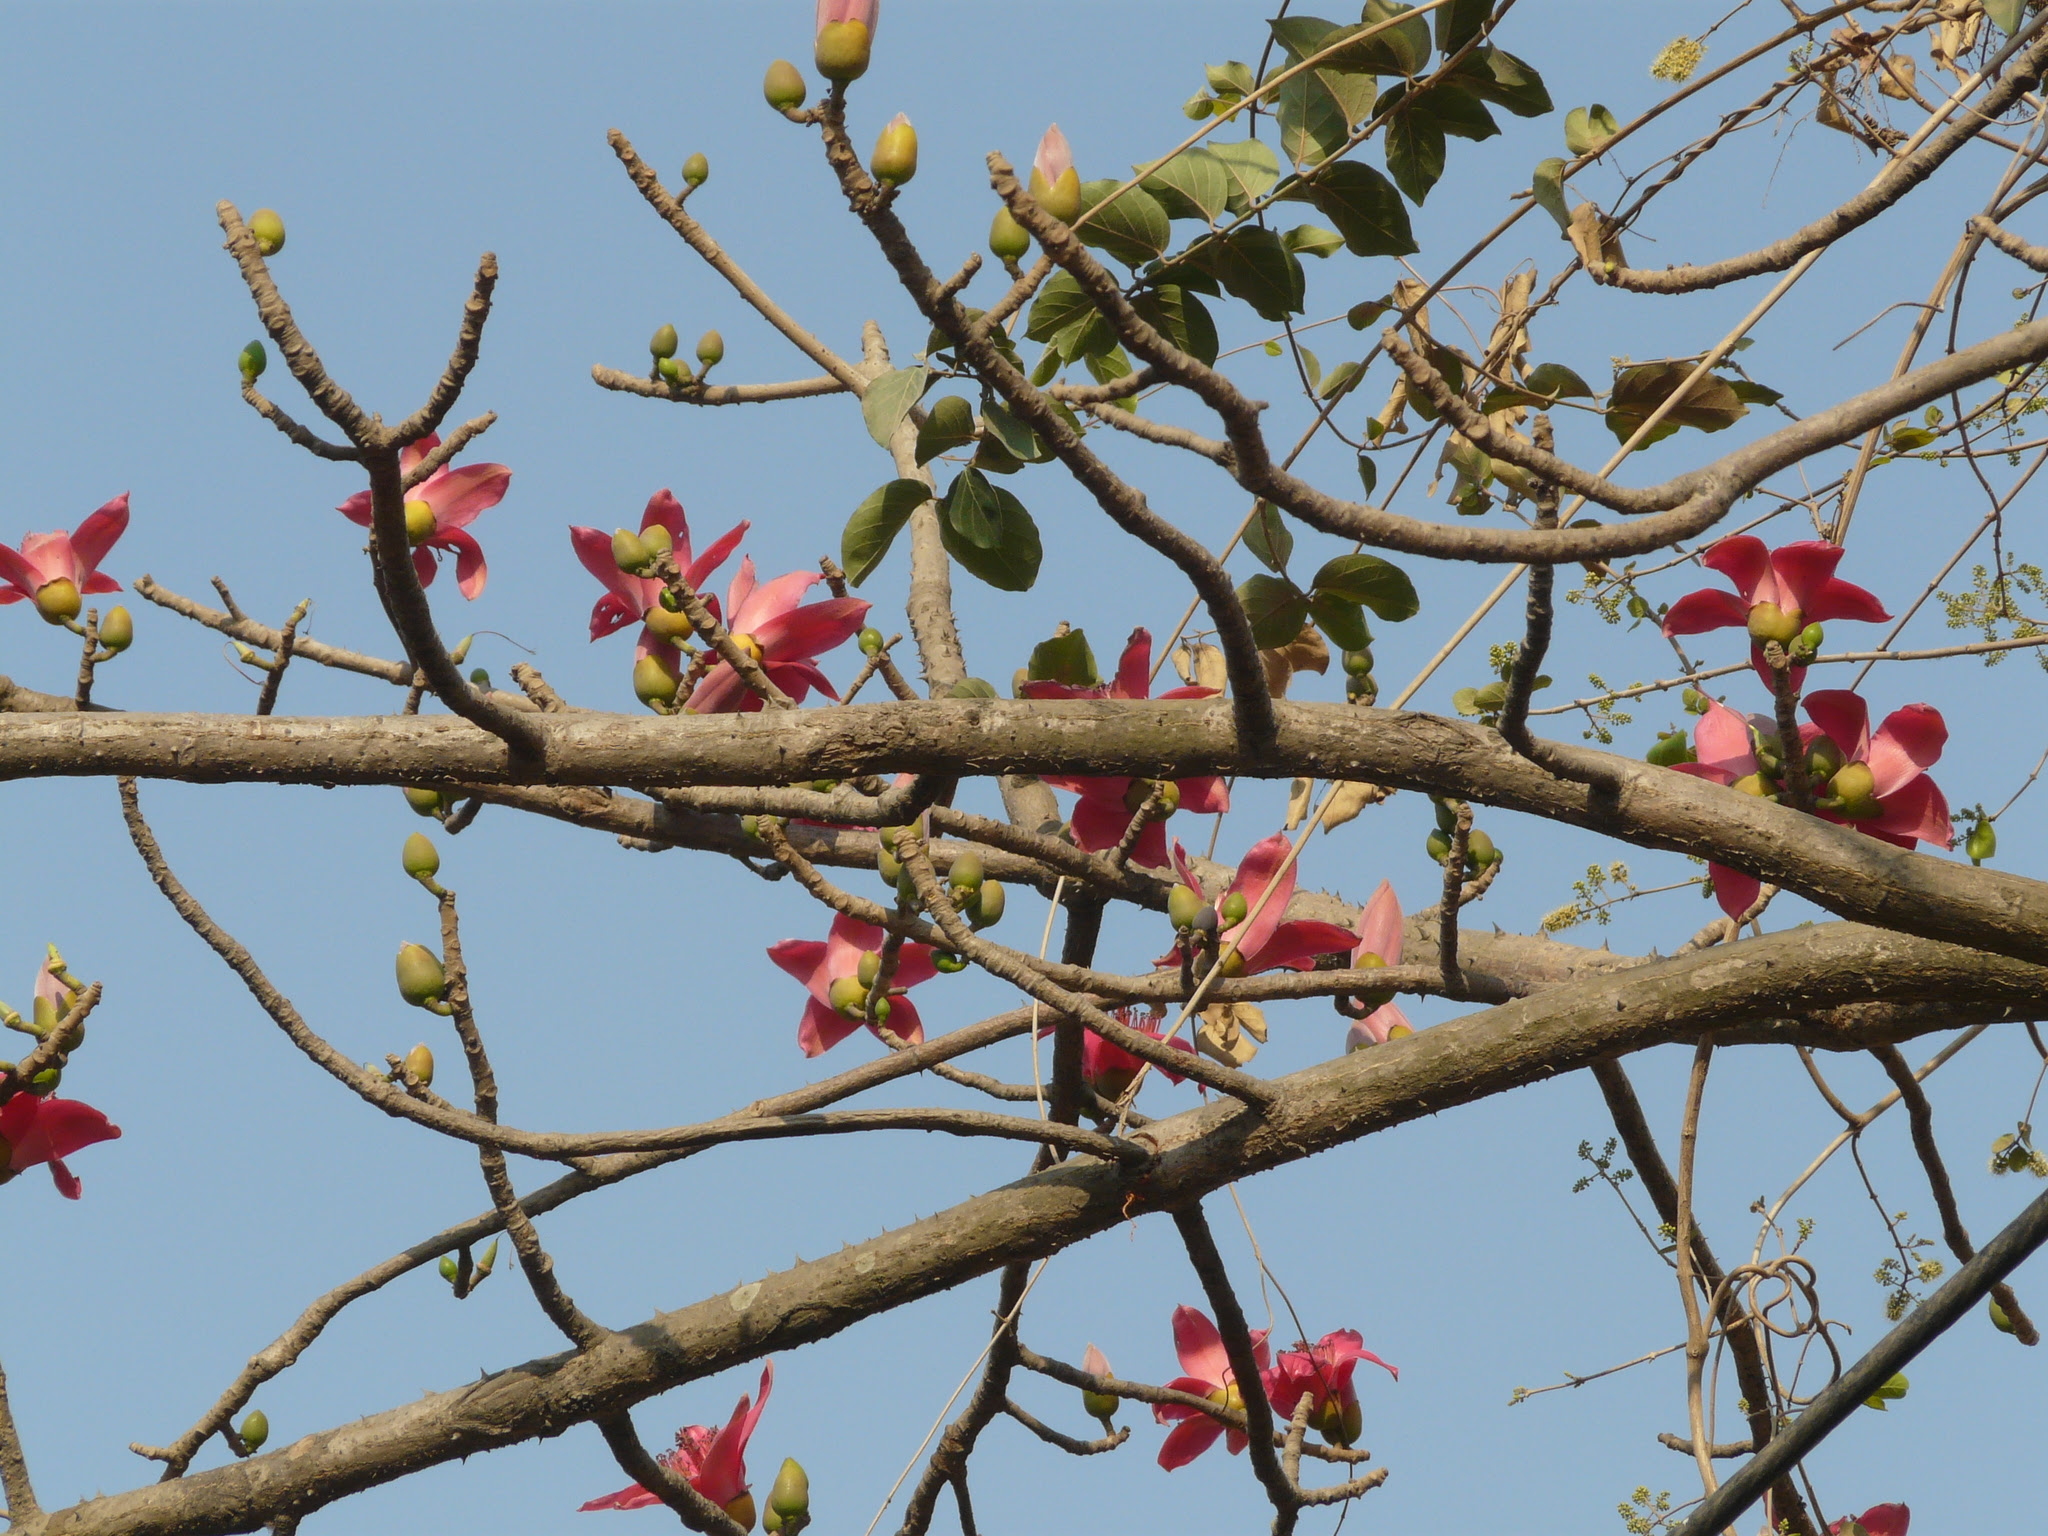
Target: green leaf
[[1181, 318], [1546, 184], [1230, 79], [1133, 229], [1018, 440], [1495, 75], [1403, 49], [1192, 185], [1459, 22], [1906, 439], [1268, 537], [1010, 564], [1366, 209], [1064, 659], [1318, 109], [1342, 620], [1587, 128], [1545, 384], [1363, 313], [973, 688], [970, 509], [1415, 150], [1340, 376], [1709, 405], [1379, 585], [889, 399], [1113, 365], [1311, 365], [1063, 316], [1312, 240], [875, 524], [948, 425], [1368, 474], [1253, 265], [2006, 15], [1276, 607], [1458, 112], [1749, 392], [1252, 168]]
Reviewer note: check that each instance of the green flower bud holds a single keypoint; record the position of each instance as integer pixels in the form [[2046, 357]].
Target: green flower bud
[[791, 1494], [673, 371], [750, 826], [1183, 904], [117, 630], [421, 979], [1694, 701], [1671, 748], [1824, 759], [268, 229], [1370, 962], [710, 350], [1340, 1424], [1856, 789], [1062, 198], [887, 864], [252, 361], [848, 997], [946, 963], [629, 554], [1810, 638], [696, 169], [1101, 1405], [420, 859], [481, 678], [670, 623], [449, 1268], [881, 1010], [1998, 1318], [424, 802], [783, 85], [45, 1082], [1767, 621], [1982, 842], [659, 540], [1438, 846], [1446, 817], [653, 683], [1479, 850], [58, 601], [1358, 663], [256, 1428], [869, 968], [894, 161], [870, 642], [843, 50], [663, 343], [966, 873], [419, 523], [1006, 237], [419, 1061], [988, 908], [1232, 909], [490, 1257]]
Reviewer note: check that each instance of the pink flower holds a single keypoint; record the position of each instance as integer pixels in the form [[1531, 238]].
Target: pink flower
[[1053, 160], [438, 512], [766, 618], [34, 1130], [1322, 1372], [1781, 591], [819, 965], [1109, 1069], [1380, 932], [1878, 1520], [1725, 744], [629, 598], [1095, 1362], [1200, 1348], [54, 569], [1103, 812], [1882, 786], [1265, 942], [712, 1462]]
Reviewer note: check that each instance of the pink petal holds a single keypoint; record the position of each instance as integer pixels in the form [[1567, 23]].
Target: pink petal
[[805, 960], [722, 1473], [593, 548], [1916, 810], [1722, 740], [665, 511], [1187, 1440], [822, 1028], [470, 571], [1380, 926], [1100, 823], [1044, 688], [1199, 1346], [1094, 1362], [1762, 667], [632, 1496], [1134, 668], [1807, 571], [914, 965], [424, 565], [25, 577], [1742, 559], [65, 1180], [904, 1020], [1189, 693], [1886, 1519], [1205, 796], [696, 571], [1297, 945], [96, 535], [1377, 1026], [1054, 157], [458, 495], [610, 614], [809, 631], [1258, 870], [1707, 771], [410, 455], [1185, 869], [1733, 889], [1709, 608], [99, 581], [798, 678], [771, 599], [722, 693], [742, 585], [1906, 745], [357, 509], [1845, 718]]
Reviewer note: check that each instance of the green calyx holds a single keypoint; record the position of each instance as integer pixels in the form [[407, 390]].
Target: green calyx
[[421, 977], [843, 50], [268, 229], [1183, 904], [255, 1430], [710, 351], [783, 86], [252, 361], [58, 601], [117, 630], [1007, 239], [1231, 910], [696, 170], [663, 343]]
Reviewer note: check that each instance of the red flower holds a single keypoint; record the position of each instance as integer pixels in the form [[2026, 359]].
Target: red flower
[[1109, 1069], [438, 512], [629, 598], [1200, 1348], [54, 569], [820, 965], [712, 1462], [1878, 1520], [1322, 1372], [34, 1130], [1104, 810], [1266, 942], [1882, 786], [784, 637], [1380, 933], [1781, 591]]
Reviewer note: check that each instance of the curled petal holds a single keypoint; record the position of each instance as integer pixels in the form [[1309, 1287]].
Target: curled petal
[[1733, 889], [798, 678], [470, 570], [1906, 745], [1188, 1439], [1134, 668], [1260, 869], [1845, 718], [801, 633], [1743, 559], [610, 614], [424, 565], [1916, 810], [1377, 1027], [357, 509], [458, 495], [96, 535], [697, 571], [1054, 157], [1199, 1346], [1806, 573], [1722, 740], [1380, 927], [1709, 608]]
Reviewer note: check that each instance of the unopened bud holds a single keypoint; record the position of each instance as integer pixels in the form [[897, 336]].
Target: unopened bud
[[1183, 903], [252, 361], [673, 371], [58, 601], [1856, 788], [946, 963], [483, 1265], [117, 630], [1479, 850], [1204, 920], [481, 678], [784, 86], [256, 1427], [268, 229], [1810, 639], [843, 50], [869, 968], [421, 978], [1358, 663], [1982, 842], [697, 169], [653, 682], [870, 641], [1007, 239], [1999, 1320], [1438, 846], [888, 865], [1233, 909], [791, 1494], [424, 802], [46, 1081], [894, 161], [966, 873], [663, 343], [419, 1061], [710, 350], [629, 552], [1100, 1405], [988, 908], [848, 997], [1670, 749], [419, 522], [449, 1268], [420, 858]]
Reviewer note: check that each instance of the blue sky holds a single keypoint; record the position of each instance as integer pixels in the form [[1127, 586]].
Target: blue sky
[[619, 989]]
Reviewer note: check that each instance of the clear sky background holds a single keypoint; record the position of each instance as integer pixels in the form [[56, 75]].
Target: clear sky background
[[619, 989]]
